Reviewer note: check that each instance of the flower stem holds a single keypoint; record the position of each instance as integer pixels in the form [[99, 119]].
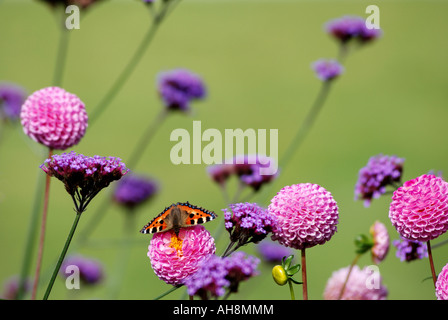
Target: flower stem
[[431, 263], [31, 235], [42, 232], [291, 290], [124, 255], [307, 123], [348, 275], [304, 280], [62, 255], [62, 55], [145, 139], [174, 288], [132, 63]]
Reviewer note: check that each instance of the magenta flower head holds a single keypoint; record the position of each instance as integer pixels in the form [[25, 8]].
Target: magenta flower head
[[409, 250], [246, 223], [12, 97], [216, 275], [327, 70], [347, 28], [381, 171], [361, 285], [134, 190], [90, 270], [179, 87], [54, 118], [84, 177], [442, 284], [381, 242], [174, 258], [307, 215], [419, 208]]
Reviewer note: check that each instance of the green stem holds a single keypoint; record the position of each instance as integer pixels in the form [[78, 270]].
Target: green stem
[[62, 255], [174, 288], [42, 232], [131, 65], [31, 235], [291, 290], [307, 124], [145, 139], [61, 56], [348, 275], [124, 254]]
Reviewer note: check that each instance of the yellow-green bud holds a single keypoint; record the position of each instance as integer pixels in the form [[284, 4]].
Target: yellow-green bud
[[279, 275]]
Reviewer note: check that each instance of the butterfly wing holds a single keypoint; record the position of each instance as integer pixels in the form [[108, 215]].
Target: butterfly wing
[[195, 215], [158, 224]]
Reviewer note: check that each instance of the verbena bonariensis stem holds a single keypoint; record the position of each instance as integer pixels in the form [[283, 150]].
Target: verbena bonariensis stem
[[62, 255]]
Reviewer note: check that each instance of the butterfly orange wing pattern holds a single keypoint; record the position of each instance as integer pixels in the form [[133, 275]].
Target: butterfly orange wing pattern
[[176, 216], [196, 215], [157, 224]]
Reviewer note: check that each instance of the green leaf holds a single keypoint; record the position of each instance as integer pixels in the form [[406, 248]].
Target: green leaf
[[287, 262]]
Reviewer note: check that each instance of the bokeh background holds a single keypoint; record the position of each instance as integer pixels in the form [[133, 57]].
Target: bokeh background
[[254, 57]]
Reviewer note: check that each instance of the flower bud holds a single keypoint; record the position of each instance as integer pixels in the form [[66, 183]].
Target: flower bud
[[279, 275]]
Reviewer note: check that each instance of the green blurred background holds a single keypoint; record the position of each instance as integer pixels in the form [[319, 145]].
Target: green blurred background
[[255, 58]]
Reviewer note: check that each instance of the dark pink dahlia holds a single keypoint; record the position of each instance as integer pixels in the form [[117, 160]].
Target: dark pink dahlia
[[419, 209], [54, 118], [307, 215]]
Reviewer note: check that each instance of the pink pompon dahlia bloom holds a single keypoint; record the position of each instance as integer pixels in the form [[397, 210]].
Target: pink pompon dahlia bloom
[[362, 284], [174, 258], [381, 242], [419, 208], [54, 118], [307, 215], [442, 284]]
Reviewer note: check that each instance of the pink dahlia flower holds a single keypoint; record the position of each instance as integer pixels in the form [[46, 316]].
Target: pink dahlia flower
[[361, 285], [307, 215], [175, 258], [54, 118], [442, 284], [419, 208], [380, 242]]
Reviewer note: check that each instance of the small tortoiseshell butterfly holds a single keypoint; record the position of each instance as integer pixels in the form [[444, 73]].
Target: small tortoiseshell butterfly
[[176, 216]]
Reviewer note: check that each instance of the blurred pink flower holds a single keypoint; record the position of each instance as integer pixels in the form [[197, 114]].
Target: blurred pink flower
[[175, 258], [442, 284], [359, 285], [307, 215], [380, 242], [54, 118], [419, 208]]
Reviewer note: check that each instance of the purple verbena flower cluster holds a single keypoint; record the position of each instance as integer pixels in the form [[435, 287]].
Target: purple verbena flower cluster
[[83, 176], [347, 28], [327, 70], [248, 168], [272, 251], [134, 190], [409, 250], [381, 171], [248, 222], [90, 270], [12, 97], [178, 87], [218, 274]]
